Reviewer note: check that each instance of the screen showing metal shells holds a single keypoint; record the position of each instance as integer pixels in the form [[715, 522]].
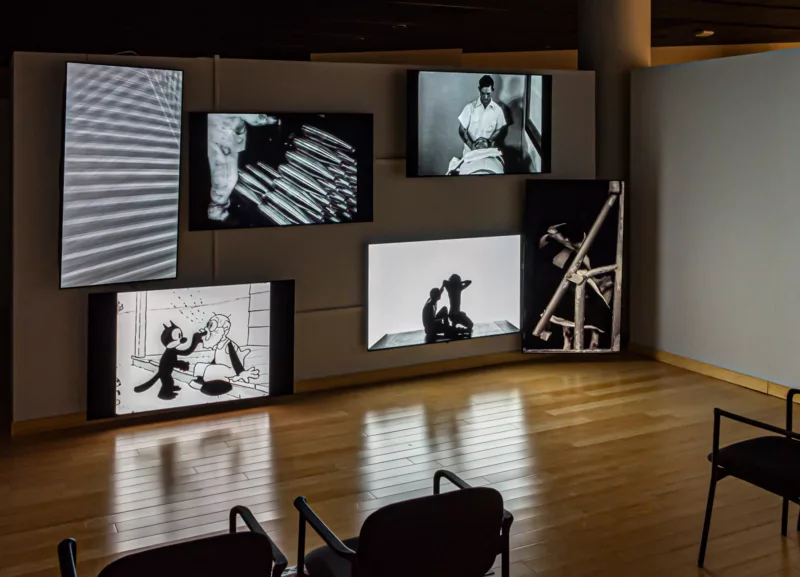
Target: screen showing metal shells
[[264, 169]]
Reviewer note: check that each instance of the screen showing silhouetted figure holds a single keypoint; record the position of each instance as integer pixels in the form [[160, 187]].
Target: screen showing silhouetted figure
[[481, 299]]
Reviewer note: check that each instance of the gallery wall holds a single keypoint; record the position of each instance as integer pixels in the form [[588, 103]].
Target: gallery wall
[[328, 262], [714, 235]]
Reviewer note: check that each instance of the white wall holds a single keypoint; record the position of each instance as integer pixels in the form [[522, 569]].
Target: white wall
[[328, 262], [715, 199]]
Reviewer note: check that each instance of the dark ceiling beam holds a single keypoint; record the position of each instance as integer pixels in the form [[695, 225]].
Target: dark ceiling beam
[[765, 5], [475, 7], [717, 24], [298, 28], [734, 13]]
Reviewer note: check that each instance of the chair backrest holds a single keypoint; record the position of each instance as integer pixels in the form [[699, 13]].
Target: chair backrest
[[454, 534], [238, 554]]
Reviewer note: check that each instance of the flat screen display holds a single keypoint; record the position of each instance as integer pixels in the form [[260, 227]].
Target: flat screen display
[[268, 169], [188, 347], [121, 174], [442, 290], [572, 262], [477, 123]]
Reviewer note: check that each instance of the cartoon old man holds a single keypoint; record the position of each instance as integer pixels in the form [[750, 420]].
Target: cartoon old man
[[228, 361]]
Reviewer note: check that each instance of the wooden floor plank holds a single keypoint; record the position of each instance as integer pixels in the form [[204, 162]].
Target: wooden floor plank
[[603, 465]]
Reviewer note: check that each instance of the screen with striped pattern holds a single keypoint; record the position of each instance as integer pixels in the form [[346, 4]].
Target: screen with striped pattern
[[121, 174]]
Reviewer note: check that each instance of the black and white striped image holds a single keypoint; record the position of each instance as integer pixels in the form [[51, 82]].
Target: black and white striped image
[[122, 135], [262, 169]]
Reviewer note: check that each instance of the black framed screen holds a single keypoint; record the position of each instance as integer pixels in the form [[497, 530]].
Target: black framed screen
[[188, 348], [573, 266], [477, 123], [268, 169], [120, 174], [442, 290]]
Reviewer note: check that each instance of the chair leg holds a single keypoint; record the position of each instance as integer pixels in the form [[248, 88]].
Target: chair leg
[[784, 516], [505, 560], [707, 523], [301, 547]]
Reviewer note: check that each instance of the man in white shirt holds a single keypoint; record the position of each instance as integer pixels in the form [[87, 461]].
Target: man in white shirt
[[481, 121]]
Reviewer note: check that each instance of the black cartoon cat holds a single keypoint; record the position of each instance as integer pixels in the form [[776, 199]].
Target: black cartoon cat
[[171, 337]]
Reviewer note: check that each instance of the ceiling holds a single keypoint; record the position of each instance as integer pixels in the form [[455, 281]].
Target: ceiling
[[296, 28]]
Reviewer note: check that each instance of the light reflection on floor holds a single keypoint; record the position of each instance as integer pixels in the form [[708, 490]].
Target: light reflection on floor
[[160, 476]]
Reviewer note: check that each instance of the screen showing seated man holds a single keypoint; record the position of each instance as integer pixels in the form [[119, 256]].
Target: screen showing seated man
[[476, 124], [437, 291]]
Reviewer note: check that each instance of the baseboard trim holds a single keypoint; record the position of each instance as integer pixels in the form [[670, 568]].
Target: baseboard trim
[[411, 371], [727, 375], [388, 375], [48, 424]]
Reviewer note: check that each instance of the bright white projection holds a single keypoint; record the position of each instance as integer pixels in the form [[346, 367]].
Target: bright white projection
[[402, 276]]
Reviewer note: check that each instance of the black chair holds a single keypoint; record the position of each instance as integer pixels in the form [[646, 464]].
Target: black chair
[[771, 463], [249, 554], [456, 534]]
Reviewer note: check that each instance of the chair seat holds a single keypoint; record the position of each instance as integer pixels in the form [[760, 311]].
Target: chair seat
[[323, 562], [772, 463]]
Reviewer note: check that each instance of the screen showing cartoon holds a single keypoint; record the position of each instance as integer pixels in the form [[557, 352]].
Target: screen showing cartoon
[[443, 290], [121, 174], [267, 169], [477, 123], [572, 287], [193, 346]]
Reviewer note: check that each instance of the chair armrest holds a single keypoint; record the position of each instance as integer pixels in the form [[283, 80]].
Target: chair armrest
[[254, 526], [508, 519], [67, 556], [718, 413], [757, 424], [789, 402], [452, 477], [331, 540]]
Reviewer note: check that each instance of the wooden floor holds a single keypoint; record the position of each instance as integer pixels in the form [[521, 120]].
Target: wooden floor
[[603, 465]]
